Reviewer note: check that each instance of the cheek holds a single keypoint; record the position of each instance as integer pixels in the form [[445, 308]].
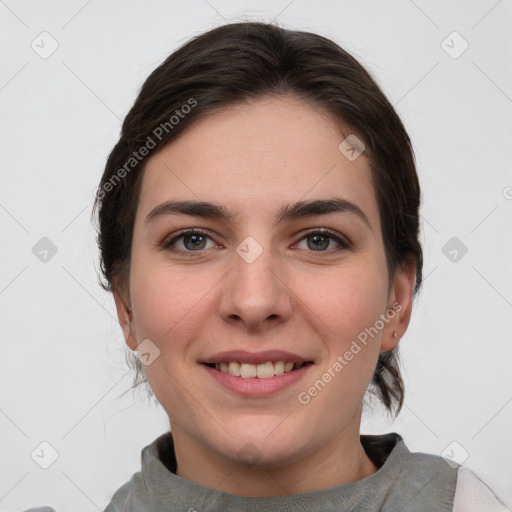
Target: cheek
[[346, 301], [165, 302], [347, 304], [169, 307]]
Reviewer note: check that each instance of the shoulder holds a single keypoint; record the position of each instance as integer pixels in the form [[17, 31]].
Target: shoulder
[[473, 495], [425, 481], [133, 495]]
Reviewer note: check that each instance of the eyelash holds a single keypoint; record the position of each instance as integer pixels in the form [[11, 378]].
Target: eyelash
[[326, 232]]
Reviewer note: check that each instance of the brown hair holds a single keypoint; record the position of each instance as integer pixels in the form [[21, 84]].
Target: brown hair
[[245, 61]]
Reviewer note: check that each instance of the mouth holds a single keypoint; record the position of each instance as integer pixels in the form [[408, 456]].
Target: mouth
[[256, 374], [265, 370]]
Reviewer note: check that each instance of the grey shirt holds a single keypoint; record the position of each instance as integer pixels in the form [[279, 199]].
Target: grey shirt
[[404, 482]]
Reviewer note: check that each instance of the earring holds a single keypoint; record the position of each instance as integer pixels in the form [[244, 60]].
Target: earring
[[395, 335]]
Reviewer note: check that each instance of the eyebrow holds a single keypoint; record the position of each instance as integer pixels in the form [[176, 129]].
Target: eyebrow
[[293, 211]]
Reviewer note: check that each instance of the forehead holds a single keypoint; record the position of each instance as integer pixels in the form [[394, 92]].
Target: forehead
[[254, 157]]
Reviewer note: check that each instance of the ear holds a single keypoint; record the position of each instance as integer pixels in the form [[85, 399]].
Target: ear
[[400, 301], [124, 314]]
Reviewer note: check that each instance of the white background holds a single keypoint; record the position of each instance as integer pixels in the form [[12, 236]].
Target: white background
[[62, 354]]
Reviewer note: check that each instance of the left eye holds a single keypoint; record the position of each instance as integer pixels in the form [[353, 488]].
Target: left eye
[[319, 240]]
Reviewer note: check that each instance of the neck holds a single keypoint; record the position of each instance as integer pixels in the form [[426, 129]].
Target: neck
[[339, 461]]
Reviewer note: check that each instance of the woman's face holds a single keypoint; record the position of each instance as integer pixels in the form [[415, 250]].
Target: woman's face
[[261, 284]]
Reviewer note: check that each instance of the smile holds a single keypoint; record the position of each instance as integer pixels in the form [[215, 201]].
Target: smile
[[261, 371], [256, 374]]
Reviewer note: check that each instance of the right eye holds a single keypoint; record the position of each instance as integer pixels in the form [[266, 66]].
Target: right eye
[[192, 240]]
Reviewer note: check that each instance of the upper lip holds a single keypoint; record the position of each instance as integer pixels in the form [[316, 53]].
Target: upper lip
[[243, 356]]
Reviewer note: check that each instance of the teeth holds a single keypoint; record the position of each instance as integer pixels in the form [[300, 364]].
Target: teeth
[[262, 371], [265, 370], [248, 371], [233, 368], [278, 367]]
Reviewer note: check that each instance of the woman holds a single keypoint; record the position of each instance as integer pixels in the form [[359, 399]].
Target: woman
[[258, 228]]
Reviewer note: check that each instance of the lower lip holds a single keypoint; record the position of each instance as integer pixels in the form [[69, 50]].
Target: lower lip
[[255, 387]]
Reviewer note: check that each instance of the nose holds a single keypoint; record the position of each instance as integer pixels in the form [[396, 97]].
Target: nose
[[256, 294]]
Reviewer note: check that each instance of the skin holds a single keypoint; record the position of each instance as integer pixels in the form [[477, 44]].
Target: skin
[[253, 159]]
